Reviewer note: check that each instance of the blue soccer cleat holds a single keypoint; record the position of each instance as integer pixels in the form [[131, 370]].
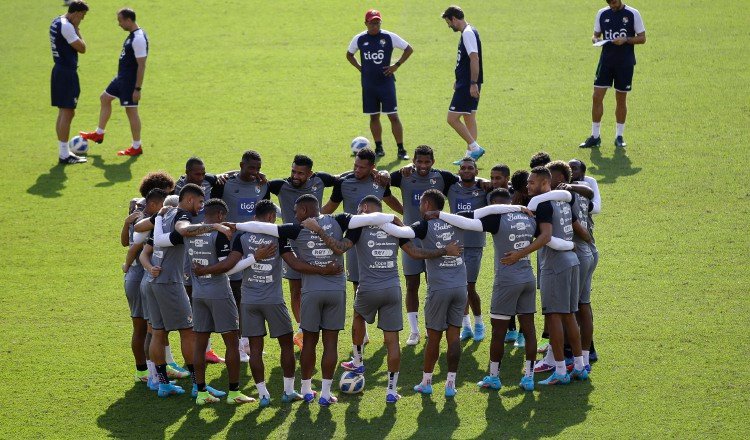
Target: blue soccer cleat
[[478, 331], [581, 374], [392, 398], [511, 336], [490, 382], [327, 402], [556, 379], [520, 342], [167, 389], [211, 390], [424, 389], [310, 397], [349, 366], [450, 391], [466, 333], [265, 402], [527, 383], [292, 397], [479, 152]]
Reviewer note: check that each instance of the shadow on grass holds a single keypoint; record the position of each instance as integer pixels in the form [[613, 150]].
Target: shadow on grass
[[610, 168], [51, 184], [113, 173]]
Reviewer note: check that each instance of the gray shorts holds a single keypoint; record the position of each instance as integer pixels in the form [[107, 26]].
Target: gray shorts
[[585, 273], [473, 261], [169, 307], [352, 267], [135, 301], [517, 299], [289, 273], [559, 291], [386, 303], [445, 307], [215, 315], [323, 310], [255, 317], [145, 292], [409, 265]]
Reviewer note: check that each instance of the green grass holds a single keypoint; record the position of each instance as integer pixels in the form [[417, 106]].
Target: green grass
[[670, 295]]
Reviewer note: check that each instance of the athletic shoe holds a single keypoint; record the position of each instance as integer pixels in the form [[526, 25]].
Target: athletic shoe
[[591, 142], [379, 151], [130, 152], [392, 398], [310, 397], [237, 398], [620, 142], [588, 368], [476, 154], [490, 382], [349, 366], [212, 391], [213, 358], [593, 357], [527, 383], [542, 346], [327, 402], [154, 386], [579, 374], [450, 391], [478, 331], [92, 136], [70, 160], [413, 339], [174, 371], [511, 336], [244, 357], [141, 376], [265, 401], [424, 389], [293, 397], [556, 379], [298, 339], [520, 342], [205, 397], [167, 389], [541, 367], [402, 154], [466, 333]]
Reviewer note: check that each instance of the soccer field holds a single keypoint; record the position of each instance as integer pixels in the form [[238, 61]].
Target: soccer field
[[670, 293]]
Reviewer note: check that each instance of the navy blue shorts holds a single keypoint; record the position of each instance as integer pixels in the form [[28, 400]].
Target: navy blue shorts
[[123, 89], [621, 75], [65, 87], [379, 99], [463, 102]]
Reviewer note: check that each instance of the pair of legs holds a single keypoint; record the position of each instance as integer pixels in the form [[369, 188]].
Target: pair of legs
[[62, 126], [330, 353], [432, 350], [466, 129], [359, 330], [585, 319], [257, 368], [158, 345], [597, 107], [473, 302], [138, 340], [500, 327], [105, 112], [231, 340], [377, 129], [560, 326]]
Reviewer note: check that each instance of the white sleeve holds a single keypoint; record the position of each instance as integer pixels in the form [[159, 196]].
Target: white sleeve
[[495, 209], [597, 200], [160, 238], [470, 40], [353, 47], [638, 24], [373, 219], [398, 231], [140, 237], [69, 32], [139, 46], [259, 228], [597, 25], [242, 264], [556, 195], [468, 224], [398, 42], [559, 244]]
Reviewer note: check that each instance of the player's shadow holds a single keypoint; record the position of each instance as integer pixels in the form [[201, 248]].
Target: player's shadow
[[376, 427], [434, 424], [323, 427], [619, 165], [51, 184], [113, 173]]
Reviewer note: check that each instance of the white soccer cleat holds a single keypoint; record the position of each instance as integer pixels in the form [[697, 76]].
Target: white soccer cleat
[[413, 339]]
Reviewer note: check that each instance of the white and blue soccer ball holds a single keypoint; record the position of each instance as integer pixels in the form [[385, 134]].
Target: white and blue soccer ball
[[359, 143], [78, 145], [351, 383]]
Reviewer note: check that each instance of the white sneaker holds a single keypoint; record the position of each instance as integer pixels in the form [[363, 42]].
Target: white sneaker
[[245, 345], [243, 356], [413, 339]]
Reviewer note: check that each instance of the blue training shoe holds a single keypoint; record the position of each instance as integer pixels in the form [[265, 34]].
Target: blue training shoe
[[327, 402], [556, 379], [479, 331], [211, 390], [521, 341], [581, 374], [450, 392], [424, 389], [490, 382], [527, 383], [310, 397], [167, 389], [392, 398], [477, 153], [511, 336], [466, 333], [265, 401], [350, 366], [292, 397]]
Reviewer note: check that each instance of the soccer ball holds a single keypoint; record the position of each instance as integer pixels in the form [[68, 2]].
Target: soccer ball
[[78, 145], [351, 383], [359, 143]]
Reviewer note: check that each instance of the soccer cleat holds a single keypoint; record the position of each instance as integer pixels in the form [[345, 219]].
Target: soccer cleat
[[402, 154], [70, 160], [205, 397], [327, 402], [212, 391], [478, 331], [620, 142], [237, 398], [490, 382], [153, 386], [511, 336], [130, 152], [541, 367], [310, 397], [424, 389], [476, 154], [392, 398], [92, 136], [349, 366], [141, 376], [527, 383], [450, 391], [379, 151], [593, 357], [213, 358], [582, 374], [293, 397], [466, 333], [542, 346], [413, 339], [556, 379], [298, 339], [520, 342], [591, 142], [174, 371], [244, 357], [265, 401], [167, 389]]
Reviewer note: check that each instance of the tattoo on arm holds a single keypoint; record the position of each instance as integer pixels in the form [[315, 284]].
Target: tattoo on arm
[[198, 229], [419, 253], [337, 246]]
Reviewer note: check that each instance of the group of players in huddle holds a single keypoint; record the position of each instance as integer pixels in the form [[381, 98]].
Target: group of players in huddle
[[210, 258]]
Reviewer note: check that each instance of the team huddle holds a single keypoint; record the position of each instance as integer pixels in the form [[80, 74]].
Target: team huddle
[[207, 255]]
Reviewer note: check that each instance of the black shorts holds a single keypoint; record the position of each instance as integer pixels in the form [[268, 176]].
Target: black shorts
[[65, 87], [122, 88], [379, 99], [621, 75], [463, 102]]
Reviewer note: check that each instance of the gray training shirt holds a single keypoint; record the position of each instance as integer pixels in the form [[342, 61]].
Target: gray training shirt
[[261, 282], [208, 249], [171, 258], [561, 216], [472, 198], [414, 186], [444, 272], [511, 232], [377, 257]]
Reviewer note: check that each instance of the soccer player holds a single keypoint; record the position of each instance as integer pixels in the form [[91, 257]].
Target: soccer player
[[301, 181], [622, 28], [468, 195], [500, 178], [67, 43], [126, 86], [378, 79], [469, 78]]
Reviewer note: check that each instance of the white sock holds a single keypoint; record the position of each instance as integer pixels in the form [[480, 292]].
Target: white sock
[[136, 144], [358, 351], [413, 326], [620, 128], [306, 387], [474, 146], [288, 385], [208, 347], [494, 369], [64, 151], [262, 390], [426, 378], [595, 129], [450, 381], [586, 357], [99, 130], [466, 322], [560, 368], [478, 319], [168, 354], [325, 389], [549, 358], [578, 363], [392, 381], [151, 370], [529, 369]]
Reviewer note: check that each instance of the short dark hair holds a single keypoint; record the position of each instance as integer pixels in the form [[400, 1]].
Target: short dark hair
[[77, 6], [519, 179], [583, 164], [127, 13], [424, 150], [502, 169], [156, 194], [264, 207], [156, 179], [250, 155], [191, 188], [540, 159], [453, 11], [499, 193], [372, 200], [302, 161], [560, 167], [435, 197], [541, 171], [366, 154], [193, 161], [306, 198], [215, 205], [469, 159]]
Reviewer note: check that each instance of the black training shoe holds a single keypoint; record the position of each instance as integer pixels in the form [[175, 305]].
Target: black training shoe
[[72, 159], [379, 151], [402, 154], [620, 142], [591, 142]]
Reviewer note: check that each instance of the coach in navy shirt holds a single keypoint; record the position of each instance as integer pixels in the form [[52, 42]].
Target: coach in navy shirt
[[378, 80], [621, 28]]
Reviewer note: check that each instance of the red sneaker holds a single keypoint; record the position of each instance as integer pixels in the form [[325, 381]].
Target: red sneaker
[[130, 152], [92, 136], [213, 358]]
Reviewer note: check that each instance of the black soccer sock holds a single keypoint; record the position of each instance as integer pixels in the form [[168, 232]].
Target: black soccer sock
[[400, 146], [234, 386], [141, 367], [545, 335], [191, 369], [378, 144], [161, 371], [512, 324], [592, 349], [202, 387]]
